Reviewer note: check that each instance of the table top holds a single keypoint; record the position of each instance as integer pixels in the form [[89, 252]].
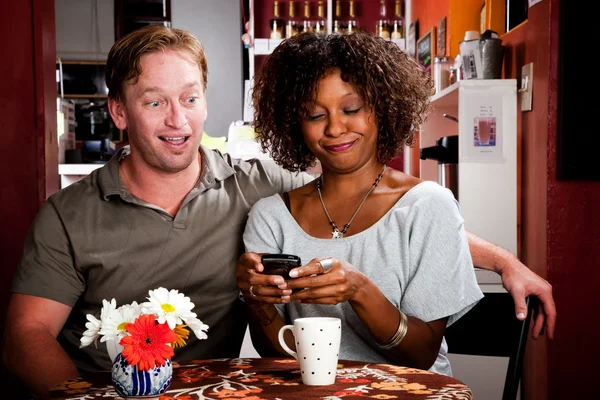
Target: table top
[[269, 378]]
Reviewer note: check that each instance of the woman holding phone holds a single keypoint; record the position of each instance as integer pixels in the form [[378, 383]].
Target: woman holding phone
[[388, 253]]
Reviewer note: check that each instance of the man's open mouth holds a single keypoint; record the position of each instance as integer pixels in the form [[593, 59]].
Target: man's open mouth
[[174, 140]]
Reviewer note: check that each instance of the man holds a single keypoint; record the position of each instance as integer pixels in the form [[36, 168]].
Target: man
[[163, 212]]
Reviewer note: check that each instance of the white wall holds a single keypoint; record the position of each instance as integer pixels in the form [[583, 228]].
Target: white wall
[[217, 23], [85, 29]]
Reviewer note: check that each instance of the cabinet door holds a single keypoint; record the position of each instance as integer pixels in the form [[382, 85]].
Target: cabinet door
[[85, 30], [134, 14]]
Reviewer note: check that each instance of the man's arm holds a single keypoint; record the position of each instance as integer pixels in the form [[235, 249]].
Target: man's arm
[[518, 280], [30, 349]]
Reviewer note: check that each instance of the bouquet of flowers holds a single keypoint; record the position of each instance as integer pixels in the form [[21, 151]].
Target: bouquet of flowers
[[148, 332]]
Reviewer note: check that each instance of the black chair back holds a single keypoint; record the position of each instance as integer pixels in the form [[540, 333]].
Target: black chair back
[[492, 329]]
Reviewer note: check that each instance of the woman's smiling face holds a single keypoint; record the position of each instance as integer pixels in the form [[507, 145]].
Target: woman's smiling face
[[339, 128]]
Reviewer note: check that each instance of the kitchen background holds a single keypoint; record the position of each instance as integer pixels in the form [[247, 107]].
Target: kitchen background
[[85, 31]]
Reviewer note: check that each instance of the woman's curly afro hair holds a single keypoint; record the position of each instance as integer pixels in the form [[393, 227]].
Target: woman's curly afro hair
[[389, 81]]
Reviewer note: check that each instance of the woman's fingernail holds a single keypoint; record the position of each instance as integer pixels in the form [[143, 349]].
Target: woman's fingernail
[[521, 315], [285, 299], [293, 274]]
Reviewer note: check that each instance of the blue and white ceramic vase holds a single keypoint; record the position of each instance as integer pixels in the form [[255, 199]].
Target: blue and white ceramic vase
[[131, 382]]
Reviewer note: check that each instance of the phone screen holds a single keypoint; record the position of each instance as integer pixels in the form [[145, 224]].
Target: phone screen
[[280, 264]]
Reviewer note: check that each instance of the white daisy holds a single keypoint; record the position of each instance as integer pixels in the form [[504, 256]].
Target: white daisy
[[197, 327], [107, 309], [113, 327], [94, 326], [170, 306], [92, 330]]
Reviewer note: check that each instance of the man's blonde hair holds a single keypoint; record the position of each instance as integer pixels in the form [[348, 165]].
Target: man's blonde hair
[[124, 59]]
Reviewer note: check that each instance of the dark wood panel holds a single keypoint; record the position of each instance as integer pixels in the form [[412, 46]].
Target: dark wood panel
[[28, 116], [18, 153], [573, 230], [44, 48]]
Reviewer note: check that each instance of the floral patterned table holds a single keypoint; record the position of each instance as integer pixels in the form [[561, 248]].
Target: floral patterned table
[[267, 378]]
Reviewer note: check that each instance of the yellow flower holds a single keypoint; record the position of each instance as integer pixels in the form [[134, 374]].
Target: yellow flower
[[182, 335]]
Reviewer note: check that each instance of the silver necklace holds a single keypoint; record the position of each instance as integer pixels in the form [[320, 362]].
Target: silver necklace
[[336, 233]]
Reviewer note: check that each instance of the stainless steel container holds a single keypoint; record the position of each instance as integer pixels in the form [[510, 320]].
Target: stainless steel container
[[482, 57], [445, 152], [492, 54], [448, 177]]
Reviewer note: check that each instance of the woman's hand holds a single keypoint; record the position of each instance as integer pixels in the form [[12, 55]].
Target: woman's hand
[[259, 287], [326, 281], [261, 293]]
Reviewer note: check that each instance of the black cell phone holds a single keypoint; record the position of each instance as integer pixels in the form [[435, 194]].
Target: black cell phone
[[280, 264]]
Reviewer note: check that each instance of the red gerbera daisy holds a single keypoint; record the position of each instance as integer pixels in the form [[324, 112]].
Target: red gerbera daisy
[[148, 344]]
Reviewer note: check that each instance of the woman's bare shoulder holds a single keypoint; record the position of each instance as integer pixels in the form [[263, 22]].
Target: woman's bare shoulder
[[305, 190], [401, 182]]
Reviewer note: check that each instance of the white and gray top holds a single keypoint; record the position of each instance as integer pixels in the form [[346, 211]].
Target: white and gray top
[[417, 254]]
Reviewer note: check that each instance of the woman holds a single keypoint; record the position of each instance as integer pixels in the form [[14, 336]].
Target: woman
[[389, 254]]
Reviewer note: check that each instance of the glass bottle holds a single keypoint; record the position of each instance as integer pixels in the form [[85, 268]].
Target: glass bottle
[[291, 28], [321, 22], [452, 76], [307, 25], [338, 25], [382, 27], [276, 24], [398, 22], [441, 73], [352, 22]]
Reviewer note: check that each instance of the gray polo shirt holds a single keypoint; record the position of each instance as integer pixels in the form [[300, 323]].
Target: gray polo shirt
[[94, 240]]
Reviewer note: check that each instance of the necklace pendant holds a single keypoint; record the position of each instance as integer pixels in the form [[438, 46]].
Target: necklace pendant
[[336, 234]]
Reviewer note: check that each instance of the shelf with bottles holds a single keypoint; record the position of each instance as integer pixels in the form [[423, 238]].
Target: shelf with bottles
[[274, 20]]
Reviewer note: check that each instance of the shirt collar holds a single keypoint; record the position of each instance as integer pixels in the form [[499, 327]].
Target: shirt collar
[[214, 168]]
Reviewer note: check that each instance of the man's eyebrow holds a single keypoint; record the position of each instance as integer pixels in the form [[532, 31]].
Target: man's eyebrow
[[191, 85], [151, 89], [155, 89]]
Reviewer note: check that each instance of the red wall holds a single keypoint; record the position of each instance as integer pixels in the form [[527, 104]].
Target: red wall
[[573, 263], [560, 231], [28, 154], [529, 44], [28, 115], [429, 13]]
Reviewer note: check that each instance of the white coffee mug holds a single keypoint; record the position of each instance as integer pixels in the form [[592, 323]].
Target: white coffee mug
[[317, 342]]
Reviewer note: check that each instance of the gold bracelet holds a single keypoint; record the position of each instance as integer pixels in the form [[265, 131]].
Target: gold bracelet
[[399, 335]]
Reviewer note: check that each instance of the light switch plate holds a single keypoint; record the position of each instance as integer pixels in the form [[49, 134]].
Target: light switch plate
[[526, 88]]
